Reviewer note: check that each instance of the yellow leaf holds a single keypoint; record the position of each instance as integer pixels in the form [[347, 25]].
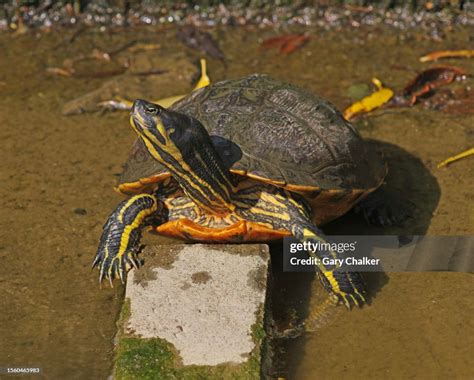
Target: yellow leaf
[[371, 102], [204, 80], [434, 56], [125, 104], [457, 157]]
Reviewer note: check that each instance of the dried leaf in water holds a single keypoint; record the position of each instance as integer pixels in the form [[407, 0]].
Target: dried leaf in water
[[204, 79], [430, 79], [276, 42], [63, 72], [434, 56], [293, 44], [358, 91], [286, 44], [143, 47], [371, 102], [120, 103], [194, 38], [457, 157]]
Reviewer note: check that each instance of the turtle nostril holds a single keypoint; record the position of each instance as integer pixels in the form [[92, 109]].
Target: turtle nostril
[[137, 104]]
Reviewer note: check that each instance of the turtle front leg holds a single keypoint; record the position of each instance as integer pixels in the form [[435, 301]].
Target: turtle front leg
[[119, 243]]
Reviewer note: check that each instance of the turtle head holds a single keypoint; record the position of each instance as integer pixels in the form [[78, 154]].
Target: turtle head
[[160, 127], [167, 133], [183, 145]]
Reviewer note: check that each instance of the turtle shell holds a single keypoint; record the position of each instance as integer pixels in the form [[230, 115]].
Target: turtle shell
[[276, 133]]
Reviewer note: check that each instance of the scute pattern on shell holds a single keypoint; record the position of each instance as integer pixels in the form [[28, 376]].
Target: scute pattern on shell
[[285, 134]]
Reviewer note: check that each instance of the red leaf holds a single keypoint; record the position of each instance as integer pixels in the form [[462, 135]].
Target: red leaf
[[429, 80], [286, 43]]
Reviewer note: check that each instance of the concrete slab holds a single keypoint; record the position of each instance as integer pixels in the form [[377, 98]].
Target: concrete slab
[[194, 311]]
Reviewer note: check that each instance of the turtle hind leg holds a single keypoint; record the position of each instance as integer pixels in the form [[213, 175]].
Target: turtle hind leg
[[346, 287], [119, 243], [384, 208], [286, 211]]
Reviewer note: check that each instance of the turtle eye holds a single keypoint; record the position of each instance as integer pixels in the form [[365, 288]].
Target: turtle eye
[[152, 110]]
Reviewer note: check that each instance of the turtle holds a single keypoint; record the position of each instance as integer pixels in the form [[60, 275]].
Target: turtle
[[241, 160]]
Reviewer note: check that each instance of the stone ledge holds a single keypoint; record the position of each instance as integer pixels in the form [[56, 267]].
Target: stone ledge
[[194, 311]]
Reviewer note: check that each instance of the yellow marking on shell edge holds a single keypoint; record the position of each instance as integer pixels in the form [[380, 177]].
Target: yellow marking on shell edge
[[266, 180]]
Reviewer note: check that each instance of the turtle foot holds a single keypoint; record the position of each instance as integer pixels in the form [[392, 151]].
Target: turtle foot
[[120, 240], [382, 208], [111, 261]]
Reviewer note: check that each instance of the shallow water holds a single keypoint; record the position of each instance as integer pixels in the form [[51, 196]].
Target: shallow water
[[57, 175]]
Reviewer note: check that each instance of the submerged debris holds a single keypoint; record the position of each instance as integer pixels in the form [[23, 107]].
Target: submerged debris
[[424, 84], [434, 56], [459, 101], [457, 157], [194, 38], [122, 104], [371, 102], [133, 46], [285, 44], [60, 71]]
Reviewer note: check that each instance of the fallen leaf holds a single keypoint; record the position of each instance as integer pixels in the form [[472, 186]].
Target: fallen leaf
[[429, 80], [293, 44], [204, 80], [371, 102], [286, 44], [358, 91], [203, 41], [457, 157], [143, 47], [434, 56], [99, 55], [124, 104], [63, 72]]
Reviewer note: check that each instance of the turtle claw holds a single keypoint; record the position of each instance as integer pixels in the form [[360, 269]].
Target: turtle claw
[[114, 266], [349, 300], [113, 263]]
